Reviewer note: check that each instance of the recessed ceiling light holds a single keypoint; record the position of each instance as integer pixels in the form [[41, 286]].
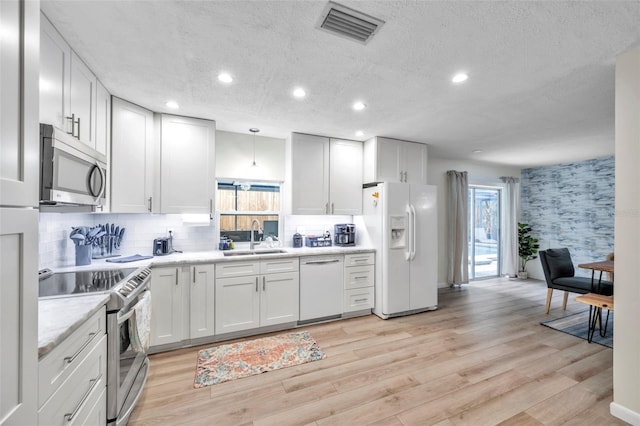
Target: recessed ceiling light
[[299, 93], [476, 151], [359, 133], [460, 77], [225, 78], [359, 106], [172, 104]]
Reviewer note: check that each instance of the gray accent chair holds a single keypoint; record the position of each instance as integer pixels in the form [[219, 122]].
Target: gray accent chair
[[559, 273]]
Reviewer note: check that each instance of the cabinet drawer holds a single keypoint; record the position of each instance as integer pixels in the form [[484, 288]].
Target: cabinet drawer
[[279, 265], [79, 393], [358, 277], [359, 259], [237, 269], [357, 299], [57, 365]]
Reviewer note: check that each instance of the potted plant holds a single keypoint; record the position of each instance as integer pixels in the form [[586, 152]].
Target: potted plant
[[527, 248]]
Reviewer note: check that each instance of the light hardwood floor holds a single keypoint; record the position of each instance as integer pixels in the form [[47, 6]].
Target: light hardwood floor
[[481, 359]]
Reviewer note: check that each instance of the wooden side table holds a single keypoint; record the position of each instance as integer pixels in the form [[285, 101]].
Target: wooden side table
[[596, 303]]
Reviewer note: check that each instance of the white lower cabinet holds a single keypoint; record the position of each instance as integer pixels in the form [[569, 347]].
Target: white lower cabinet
[[182, 301], [256, 294], [359, 280], [72, 378]]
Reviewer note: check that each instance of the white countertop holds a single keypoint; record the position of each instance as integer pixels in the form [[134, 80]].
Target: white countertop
[[214, 256], [59, 317]]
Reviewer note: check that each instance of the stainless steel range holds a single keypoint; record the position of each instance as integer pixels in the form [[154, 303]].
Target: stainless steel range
[[127, 361]]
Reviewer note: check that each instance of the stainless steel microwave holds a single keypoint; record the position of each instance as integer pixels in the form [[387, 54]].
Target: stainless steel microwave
[[71, 172]]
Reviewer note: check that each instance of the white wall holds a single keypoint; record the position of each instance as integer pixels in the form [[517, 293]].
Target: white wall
[[234, 155], [479, 174], [626, 338]]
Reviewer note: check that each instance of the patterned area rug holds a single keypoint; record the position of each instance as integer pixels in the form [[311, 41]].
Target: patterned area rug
[[578, 325], [233, 361]]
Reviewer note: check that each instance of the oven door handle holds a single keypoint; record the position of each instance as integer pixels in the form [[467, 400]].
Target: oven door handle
[[125, 317]]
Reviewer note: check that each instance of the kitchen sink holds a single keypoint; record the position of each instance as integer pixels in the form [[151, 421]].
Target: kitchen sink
[[252, 252]]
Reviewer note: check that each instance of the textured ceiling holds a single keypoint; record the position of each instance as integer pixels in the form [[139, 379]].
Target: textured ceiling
[[541, 86]]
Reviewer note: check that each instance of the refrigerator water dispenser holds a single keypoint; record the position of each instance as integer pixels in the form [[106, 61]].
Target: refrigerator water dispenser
[[398, 234]]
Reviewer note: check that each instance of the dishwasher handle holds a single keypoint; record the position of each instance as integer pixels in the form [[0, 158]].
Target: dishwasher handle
[[320, 262]]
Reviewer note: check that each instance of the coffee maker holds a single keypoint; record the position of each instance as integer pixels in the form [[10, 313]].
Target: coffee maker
[[344, 234]]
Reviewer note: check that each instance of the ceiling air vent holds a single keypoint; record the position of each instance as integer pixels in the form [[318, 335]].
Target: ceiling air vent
[[349, 23]]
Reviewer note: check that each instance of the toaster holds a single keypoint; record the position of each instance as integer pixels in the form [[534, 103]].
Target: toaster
[[161, 246]]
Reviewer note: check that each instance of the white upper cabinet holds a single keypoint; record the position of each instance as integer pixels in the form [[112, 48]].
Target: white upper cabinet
[[310, 174], [103, 119], [326, 175], [392, 160], [132, 158], [55, 62], [235, 155], [68, 88], [19, 130], [345, 177], [82, 101], [187, 165]]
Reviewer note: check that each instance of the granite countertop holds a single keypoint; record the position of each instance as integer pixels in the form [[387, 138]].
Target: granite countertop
[[60, 316], [215, 256]]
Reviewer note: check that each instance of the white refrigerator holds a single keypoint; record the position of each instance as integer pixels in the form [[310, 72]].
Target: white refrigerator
[[402, 224]]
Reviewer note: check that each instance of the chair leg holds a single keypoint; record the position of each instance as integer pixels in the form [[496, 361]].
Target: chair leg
[[549, 293], [564, 301]]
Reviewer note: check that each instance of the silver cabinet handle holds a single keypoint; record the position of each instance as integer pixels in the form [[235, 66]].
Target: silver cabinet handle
[[78, 129], [400, 175], [94, 382], [360, 278], [70, 359], [360, 300], [176, 276], [150, 198], [326, 208], [405, 176], [194, 274], [331, 208], [73, 125], [264, 286], [257, 288]]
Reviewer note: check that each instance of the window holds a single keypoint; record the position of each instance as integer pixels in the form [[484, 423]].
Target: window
[[241, 203]]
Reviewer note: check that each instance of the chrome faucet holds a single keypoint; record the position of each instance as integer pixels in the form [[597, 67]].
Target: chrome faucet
[[254, 243]]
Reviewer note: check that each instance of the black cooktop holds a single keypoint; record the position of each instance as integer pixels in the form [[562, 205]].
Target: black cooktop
[[81, 282]]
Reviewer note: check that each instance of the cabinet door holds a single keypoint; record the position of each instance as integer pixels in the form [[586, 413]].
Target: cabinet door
[[279, 299], [167, 306], [103, 119], [203, 300], [82, 100], [18, 309], [388, 160], [415, 162], [310, 174], [237, 304], [132, 154], [55, 62], [345, 180], [19, 150], [187, 181]]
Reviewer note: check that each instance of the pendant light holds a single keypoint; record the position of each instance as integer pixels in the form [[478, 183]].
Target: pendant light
[[254, 131]]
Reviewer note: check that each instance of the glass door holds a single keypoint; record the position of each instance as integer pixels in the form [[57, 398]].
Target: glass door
[[484, 232]]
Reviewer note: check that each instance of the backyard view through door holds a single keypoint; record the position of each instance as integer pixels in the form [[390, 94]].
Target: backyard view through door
[[484, 232]]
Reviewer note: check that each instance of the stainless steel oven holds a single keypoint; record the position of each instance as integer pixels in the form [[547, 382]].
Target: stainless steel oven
[[128, 322], [128, 319]]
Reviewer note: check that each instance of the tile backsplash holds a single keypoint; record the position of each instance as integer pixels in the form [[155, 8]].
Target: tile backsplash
[[57, 250]]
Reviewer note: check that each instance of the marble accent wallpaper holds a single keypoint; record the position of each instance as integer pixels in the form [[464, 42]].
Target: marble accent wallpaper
[[572, 205]]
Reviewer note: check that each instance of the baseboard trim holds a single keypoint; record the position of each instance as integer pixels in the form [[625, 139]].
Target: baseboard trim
[[625, 414]]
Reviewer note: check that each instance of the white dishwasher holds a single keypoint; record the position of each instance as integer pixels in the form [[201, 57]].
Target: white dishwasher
[[321, 288]]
